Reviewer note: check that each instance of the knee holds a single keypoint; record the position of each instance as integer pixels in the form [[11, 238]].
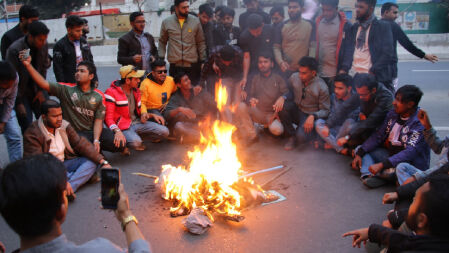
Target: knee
[[276, 128], [164, 131], [402, 167]]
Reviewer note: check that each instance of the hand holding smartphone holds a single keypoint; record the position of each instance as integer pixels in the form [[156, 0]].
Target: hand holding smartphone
[[110, 181], [24, 54]]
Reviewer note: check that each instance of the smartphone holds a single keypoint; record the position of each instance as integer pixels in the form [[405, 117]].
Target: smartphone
[[24, 54], [110, 181]]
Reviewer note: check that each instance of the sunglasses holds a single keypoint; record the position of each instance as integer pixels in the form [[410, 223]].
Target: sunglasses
[[161, 71]]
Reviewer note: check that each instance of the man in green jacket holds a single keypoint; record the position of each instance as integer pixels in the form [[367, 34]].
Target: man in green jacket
[[182, 39]]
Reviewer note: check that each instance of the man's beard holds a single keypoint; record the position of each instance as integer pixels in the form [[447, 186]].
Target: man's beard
[[363, 17], [296, 16], [183, 15]]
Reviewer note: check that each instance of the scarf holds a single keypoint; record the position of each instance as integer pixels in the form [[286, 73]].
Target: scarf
[[362, 35]]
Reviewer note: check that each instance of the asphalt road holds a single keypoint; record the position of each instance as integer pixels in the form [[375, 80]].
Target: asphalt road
[[325, 198]]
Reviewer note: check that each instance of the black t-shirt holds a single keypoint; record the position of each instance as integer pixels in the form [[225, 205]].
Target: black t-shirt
[[256, 45], [244, 16]]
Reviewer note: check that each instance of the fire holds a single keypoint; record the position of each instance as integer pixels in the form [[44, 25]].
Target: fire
[[221, 95], [209, 181]]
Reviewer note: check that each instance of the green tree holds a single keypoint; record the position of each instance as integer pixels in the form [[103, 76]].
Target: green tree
[[55, 8]]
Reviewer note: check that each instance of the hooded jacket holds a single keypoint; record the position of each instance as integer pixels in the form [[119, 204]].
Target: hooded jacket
[[117, 106], [413, 147]]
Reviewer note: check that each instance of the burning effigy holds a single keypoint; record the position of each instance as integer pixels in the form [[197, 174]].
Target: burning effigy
[[213, 183]]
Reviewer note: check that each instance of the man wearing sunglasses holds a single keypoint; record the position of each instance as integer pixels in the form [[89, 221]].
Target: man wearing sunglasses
[[123, 111], [156, 89], [389, 12]]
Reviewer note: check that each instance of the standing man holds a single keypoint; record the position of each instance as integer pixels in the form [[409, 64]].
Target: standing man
[[311, 102], [369, 48], [8, 121], [267, 96], [331, 29], [292, 39], [182, 38], [205, 15], [254, 40], [225, 62], [30, 96], [123, 111], [252, 7], [27, 14], [224, 32], [277, 15], [137, 47], [69, 51], [389, 12], [51, 134], [82, 105], [85, 28]]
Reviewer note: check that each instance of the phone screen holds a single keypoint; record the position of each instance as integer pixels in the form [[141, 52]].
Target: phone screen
[[110, 180]]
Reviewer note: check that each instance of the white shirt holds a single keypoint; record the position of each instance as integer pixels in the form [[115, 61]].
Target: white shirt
[[361, 62], [57, 145]]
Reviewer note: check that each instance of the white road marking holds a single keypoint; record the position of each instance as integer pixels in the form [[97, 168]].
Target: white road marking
[[430, 70], [441, 128]]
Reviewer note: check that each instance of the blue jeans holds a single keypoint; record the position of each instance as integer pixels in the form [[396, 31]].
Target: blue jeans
[[149, 129], [79, 171], [334, 133], [376, 156], [404, 171], [13, 136]]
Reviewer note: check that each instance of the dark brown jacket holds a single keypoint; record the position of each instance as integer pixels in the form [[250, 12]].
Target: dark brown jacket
[[129, 45], [36, 142]]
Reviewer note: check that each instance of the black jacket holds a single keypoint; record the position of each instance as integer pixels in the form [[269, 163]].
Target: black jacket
[[400, 36], [9, 37], [380, 42], [64, 59], [224, 37], [41, 62], [375, 111], [244, 16], [129, 45], [400, 242]]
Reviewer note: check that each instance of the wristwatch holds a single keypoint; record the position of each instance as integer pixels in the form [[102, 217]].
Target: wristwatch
[[128, 220], [116, 130], [347, 137], [104, 163]]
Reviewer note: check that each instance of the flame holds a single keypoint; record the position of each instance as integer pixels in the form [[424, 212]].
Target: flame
[[214, 168], [221, 95]]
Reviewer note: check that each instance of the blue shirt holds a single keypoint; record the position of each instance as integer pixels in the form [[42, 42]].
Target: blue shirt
[[61, 244], [146, 48]]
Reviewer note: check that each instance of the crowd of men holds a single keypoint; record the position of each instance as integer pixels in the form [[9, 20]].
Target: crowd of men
[[313, 79]]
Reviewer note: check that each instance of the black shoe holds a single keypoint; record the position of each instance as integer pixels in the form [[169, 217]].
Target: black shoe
[[373, 182]]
